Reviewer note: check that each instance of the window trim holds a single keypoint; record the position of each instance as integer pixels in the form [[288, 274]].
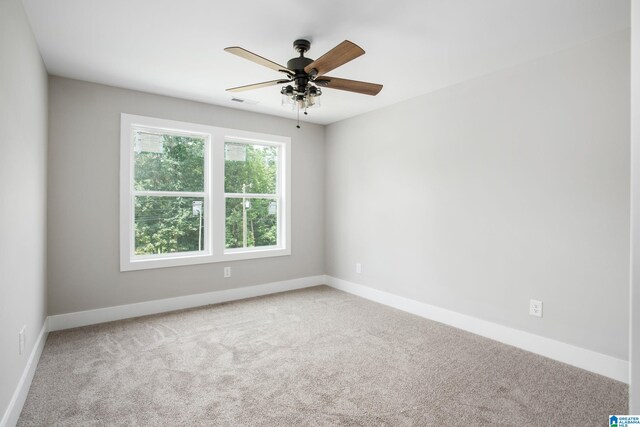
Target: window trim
[[215, 196]]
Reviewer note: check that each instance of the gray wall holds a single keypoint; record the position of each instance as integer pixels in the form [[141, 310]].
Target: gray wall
[[481, 196], [634, 388], [23, 155], [84, 146]]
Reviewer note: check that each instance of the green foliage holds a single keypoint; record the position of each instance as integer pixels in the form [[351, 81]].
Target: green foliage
[[258, 175], [262, 227], [168, 224], [180, 166]]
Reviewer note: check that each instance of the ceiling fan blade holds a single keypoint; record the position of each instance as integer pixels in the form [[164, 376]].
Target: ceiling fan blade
[[244, 53], [348, 85], [339, 55], [257, 85]]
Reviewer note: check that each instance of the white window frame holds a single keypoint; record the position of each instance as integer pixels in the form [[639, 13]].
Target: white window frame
[[214, 195]]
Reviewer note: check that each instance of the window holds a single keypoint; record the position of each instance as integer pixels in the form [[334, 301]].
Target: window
[[170, 192], [192, 194], [252, 195]]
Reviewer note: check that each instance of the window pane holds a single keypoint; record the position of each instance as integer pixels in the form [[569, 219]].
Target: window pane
[[165, 162], [251, 223], [250, 168], [169, 224]]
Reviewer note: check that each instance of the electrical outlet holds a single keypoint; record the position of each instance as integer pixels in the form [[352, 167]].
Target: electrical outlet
[[21, 339], [358, 268], [227, 272], [535, 308]]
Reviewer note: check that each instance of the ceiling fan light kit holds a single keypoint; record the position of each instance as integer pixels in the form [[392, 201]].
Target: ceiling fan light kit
[[302, 101], [305, 76]]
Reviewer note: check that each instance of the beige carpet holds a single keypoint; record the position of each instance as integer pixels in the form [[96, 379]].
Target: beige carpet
[[311, 357]]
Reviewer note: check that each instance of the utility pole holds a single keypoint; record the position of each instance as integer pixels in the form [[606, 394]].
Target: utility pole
[[244, 217], [200, 232], [197, 210]]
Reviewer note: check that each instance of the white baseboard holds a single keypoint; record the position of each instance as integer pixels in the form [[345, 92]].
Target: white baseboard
[[577, 356], [101, 315], [14, 409]]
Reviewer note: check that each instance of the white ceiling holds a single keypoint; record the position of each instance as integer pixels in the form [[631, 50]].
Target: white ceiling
[[413, 47]]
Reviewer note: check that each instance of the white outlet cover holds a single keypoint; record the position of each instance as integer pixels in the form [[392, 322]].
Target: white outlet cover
[[535, 308], [227, 272], [358, 268]]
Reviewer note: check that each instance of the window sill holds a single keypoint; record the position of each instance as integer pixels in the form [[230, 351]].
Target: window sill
[[240, 254], [194, 259]]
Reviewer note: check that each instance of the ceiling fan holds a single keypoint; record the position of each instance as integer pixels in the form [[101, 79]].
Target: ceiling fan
[[305, 77]]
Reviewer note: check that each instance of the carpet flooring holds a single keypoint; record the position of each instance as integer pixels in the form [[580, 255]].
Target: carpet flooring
[[313, 357]]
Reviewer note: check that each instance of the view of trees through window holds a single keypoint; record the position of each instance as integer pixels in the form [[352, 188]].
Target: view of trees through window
[[251, 202], [171, 221], [169, 194]]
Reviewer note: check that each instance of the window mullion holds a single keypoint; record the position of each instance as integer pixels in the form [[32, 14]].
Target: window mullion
[[250, 196], [170, 193]]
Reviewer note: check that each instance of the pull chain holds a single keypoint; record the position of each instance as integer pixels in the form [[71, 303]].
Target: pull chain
[[298, 125]]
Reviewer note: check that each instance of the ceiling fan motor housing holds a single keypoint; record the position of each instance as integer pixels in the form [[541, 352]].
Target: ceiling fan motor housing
[[297, 64], [301, 78]]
